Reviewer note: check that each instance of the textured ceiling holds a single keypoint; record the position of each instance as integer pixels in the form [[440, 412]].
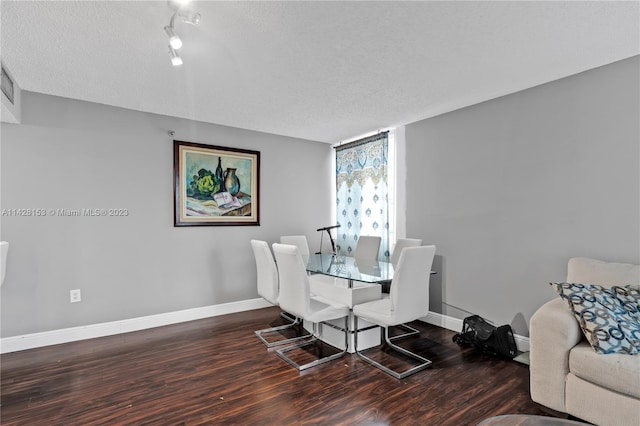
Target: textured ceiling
[[323, 71]]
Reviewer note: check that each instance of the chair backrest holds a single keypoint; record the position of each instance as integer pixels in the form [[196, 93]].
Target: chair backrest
[[299, 241], [4, 248], [402, 243], [409, 291], [294, 283], [367, 247], [267, 271]]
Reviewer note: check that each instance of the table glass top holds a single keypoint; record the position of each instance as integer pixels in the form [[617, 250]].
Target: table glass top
[[350, 268]]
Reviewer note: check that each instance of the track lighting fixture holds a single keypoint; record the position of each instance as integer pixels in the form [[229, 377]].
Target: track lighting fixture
[[175, 57], [188, 16], [174, 40]]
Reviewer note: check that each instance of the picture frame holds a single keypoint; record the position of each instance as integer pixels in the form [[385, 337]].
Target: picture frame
[[215, 185]]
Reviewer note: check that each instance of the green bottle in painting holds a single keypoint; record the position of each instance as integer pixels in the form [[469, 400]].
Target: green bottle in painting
[[220, 175]]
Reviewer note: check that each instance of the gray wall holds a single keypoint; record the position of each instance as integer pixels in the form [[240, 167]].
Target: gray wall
[[510, 189], [71, 154]]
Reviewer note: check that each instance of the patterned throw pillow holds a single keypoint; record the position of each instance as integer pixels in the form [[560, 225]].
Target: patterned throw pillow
[[609, 317]]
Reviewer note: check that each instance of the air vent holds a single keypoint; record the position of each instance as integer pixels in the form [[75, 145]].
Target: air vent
[[7, 85]]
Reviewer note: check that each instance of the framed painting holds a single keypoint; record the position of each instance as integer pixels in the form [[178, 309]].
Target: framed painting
[[215, 185]]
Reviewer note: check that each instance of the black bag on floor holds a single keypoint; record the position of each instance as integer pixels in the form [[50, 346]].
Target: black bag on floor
[[487, 337]]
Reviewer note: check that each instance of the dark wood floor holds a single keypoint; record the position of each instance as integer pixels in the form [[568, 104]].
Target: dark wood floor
[[215, 371]]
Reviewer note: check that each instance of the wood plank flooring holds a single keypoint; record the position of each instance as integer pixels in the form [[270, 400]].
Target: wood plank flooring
[[215, 371]]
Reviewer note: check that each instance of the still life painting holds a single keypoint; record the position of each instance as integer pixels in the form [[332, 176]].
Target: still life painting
[[215, 185]]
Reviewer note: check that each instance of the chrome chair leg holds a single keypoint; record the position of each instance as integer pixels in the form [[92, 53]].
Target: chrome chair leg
[[424, 363], [316, 337], [411, 332], [287, 316], [297, 323]]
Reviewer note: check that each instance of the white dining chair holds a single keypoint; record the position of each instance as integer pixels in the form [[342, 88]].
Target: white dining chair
[[367, 247], [295, 297], [395, 255], [401, 243], [268, 289], [299, 241], [408, 301]]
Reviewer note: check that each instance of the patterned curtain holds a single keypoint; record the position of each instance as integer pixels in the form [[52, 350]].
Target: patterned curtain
[[361, 188]]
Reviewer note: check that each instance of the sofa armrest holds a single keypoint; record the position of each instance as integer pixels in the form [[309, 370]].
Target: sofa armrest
[[553, 332]]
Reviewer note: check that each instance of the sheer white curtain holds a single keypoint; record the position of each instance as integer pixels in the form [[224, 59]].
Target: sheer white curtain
[[362, 192]]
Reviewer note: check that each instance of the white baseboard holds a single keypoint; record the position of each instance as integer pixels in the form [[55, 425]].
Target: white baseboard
[[55, 337], [66, 335], [443, 321], [455, 324]]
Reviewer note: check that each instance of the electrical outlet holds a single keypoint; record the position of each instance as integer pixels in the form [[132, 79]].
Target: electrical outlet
[[75, 296]]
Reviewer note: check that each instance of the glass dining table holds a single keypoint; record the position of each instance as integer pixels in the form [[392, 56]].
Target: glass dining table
[[350, 268], [358, 282]]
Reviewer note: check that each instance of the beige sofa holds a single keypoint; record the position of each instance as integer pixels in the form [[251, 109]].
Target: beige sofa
[[567, 375]]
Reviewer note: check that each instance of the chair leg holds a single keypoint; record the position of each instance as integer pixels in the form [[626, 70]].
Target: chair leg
[[411, 332], [316, 336], [424, 363], [297, 323], [287, 316]]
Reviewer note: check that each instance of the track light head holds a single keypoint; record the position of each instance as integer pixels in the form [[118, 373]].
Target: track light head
[[176, 60], [174, 40]]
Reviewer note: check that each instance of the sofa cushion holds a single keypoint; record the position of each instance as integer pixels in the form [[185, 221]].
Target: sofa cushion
[[606, 274], [620, 373], [609, 317]]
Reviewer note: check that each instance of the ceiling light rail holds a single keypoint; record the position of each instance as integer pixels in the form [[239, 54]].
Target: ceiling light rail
[[186, 15]]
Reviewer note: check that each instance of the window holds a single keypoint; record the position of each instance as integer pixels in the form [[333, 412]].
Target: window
[[364, 180]]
